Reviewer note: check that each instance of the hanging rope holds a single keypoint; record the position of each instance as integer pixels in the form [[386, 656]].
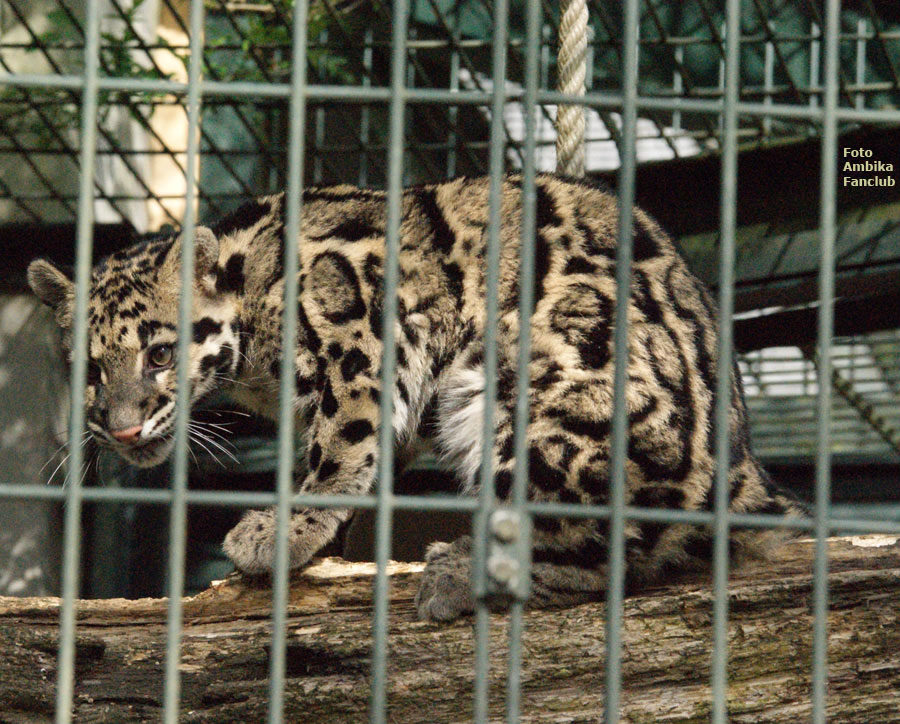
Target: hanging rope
[[572, 72]]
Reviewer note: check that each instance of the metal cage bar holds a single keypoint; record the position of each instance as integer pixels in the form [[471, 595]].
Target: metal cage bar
[[449, 504], [73, 498], [827, 219], [618, 453], [526, 303], [285, 471], [385, 493], [492, 280], [178, 508], [374, 94], [728, 223]]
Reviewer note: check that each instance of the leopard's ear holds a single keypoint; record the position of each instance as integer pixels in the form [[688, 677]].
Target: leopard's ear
[[206, 256], [54, 289], [206, 252]]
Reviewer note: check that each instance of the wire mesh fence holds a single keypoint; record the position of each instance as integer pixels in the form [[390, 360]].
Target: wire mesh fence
[[259, 97], [142, 142]]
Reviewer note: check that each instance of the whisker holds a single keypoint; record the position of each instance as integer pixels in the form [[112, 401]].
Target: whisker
[[224, 439], [243, 356], [201, 428], [56, 469], [85, 435], [198, 435], [232, 412], [218, 446], [52, 457], [230, 380], [218, 425], [64, 432], [61, 463], [197, 440], [85, 471], [210, 440], [245, 381], [97, 469]]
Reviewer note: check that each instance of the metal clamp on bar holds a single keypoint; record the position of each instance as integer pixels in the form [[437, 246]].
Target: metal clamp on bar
[[508, 559]]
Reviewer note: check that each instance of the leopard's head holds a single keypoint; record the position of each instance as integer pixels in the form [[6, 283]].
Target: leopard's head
[[132, 340]]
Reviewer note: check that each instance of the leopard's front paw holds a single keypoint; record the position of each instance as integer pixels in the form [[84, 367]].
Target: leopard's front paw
[[251, 543], [445, 592]]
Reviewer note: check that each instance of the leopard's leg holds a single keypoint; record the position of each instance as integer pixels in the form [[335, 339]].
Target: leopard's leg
[[445, 591], [557, 579], [569, 557], [342, 454], [567, 462]]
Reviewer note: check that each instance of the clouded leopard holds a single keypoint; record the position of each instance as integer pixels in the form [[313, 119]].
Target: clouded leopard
[[438, 392]]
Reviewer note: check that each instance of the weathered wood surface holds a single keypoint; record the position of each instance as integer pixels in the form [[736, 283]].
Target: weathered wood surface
[[666, 634]]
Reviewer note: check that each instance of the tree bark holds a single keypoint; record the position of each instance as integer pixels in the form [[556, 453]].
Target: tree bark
[[667, 642]]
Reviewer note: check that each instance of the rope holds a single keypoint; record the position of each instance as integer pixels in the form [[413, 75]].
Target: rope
[[572, 71]]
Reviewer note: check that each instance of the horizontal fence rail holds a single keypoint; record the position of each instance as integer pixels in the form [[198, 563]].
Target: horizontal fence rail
[[371, 94]]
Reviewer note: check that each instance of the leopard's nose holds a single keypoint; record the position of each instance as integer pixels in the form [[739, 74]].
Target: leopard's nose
[[128, 435]]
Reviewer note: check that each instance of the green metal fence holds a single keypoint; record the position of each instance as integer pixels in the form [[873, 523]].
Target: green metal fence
[[826, 113]]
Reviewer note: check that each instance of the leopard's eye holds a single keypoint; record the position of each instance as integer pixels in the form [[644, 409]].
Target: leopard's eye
[[160, 356]]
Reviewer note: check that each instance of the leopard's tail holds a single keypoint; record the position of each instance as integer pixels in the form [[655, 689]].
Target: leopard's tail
[[761, 542]]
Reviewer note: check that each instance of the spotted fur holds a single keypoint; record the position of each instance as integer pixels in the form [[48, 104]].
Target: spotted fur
[[439, 388]]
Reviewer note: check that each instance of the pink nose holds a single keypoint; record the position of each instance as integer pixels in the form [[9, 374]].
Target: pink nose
[[127, 434]]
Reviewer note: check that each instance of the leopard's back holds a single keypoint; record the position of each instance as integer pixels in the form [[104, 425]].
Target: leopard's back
[[670, 392]]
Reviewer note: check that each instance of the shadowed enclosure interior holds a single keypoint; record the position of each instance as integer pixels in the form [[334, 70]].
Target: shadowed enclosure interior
[[730, 122]]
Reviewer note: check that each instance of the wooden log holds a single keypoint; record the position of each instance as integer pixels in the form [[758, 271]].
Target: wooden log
[[666, 632]]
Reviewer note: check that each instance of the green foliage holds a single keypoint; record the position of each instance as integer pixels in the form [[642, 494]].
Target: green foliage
[[48, 116], [250, 45], [256, 46]]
